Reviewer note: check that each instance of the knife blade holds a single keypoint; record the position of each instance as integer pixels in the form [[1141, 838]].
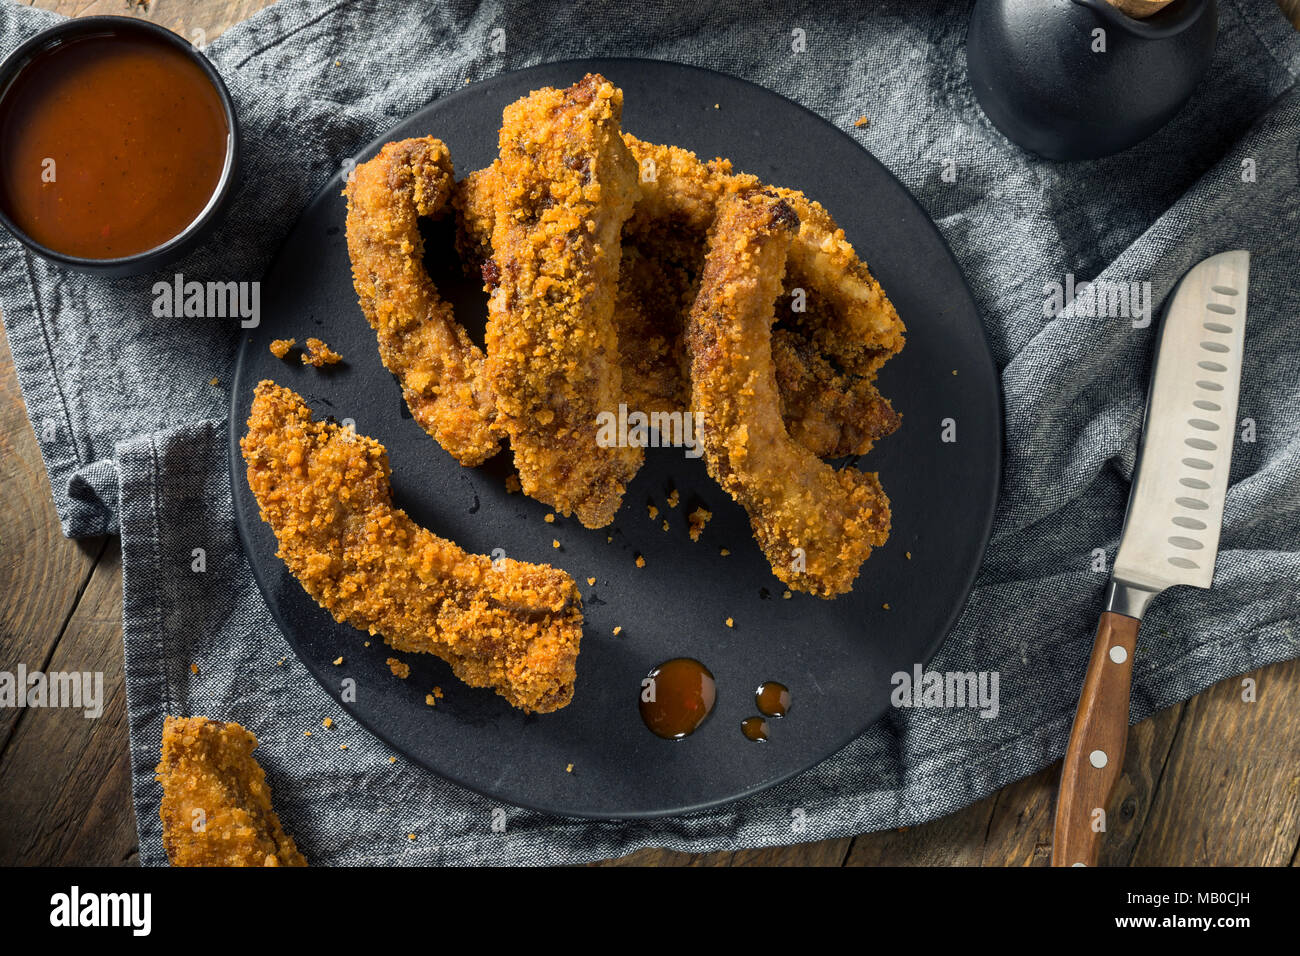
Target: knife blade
[[1171, 529], [1175, 510]]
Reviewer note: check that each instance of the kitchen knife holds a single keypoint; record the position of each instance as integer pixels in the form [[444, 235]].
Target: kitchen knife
[[1171, 530]]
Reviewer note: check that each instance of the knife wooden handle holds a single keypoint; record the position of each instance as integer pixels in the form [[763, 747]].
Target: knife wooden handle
[[1094, 759]]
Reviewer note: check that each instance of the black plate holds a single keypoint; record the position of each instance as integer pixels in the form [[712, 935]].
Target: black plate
[[835, 656]]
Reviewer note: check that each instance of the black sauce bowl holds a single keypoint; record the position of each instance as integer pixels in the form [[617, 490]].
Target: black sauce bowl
[[148, 260]]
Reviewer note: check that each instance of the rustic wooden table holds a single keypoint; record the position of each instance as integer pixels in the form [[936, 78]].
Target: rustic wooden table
[[1213, 781]]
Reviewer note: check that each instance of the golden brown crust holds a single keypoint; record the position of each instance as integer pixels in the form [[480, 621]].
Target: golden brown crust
[[324, 490], [860, 329], [566, 183], [831, 407], [440, 369], [474, 199], [815, 524], [216, 806]]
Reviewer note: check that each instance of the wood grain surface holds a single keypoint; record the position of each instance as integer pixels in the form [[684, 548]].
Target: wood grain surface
[[1213, 781]]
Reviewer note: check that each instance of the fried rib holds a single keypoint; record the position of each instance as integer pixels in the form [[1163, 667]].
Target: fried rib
[[649, 309], [566, 184], [833, 412], [816, 525], [216, 807], [439, 368], [860, 330], [324, 490]]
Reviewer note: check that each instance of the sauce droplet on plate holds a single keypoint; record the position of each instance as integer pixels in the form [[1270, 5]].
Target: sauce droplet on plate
[[676, 697], [773, 699], [755, 729]]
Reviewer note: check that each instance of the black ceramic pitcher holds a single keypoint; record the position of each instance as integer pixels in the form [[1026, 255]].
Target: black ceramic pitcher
[[1078, 79]]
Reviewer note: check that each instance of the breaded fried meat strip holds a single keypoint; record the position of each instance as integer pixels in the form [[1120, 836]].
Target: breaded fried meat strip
[[566, 185], [216, 806], [439, 368], [324, 490], [831, 412], [816, 525], [862, 328]]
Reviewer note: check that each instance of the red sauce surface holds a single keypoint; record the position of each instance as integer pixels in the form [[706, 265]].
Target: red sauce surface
[[138, 138]]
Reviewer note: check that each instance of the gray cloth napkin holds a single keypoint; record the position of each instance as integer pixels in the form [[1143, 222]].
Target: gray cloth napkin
[[134, 437]]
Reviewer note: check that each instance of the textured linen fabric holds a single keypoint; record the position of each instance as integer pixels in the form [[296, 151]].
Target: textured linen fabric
[[135, 439]]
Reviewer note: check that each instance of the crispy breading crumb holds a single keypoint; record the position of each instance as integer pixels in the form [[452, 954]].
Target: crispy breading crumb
[[280, 662], [652, 511], [399, 668], [513, 487], [194, 668], [861, 121], [437, 692], [673, 498], [555, 542], [609, 538], [787, 595], [618, 629], [549, 519], [731, 622], [306, 733], [343, 746], [392, 760], [410, 836], [640, 561], [569, 769], [431, 700], [213, 381], [338, 661], [909, 555], [724, 551], [698, 519], [800, 507], [591, 581], [319, 354], [885, 606], [280, 347], [552, 314], [665, 525], [327, 723]]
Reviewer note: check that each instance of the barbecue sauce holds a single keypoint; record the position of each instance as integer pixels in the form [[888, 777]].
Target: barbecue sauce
[[110, 144], [676, 697]]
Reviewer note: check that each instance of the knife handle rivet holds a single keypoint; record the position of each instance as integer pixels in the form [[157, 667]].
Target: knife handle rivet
[[1097, 758], [1118, 654]]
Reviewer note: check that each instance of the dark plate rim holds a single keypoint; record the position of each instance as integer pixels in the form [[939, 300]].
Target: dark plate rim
[[985, 363]]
